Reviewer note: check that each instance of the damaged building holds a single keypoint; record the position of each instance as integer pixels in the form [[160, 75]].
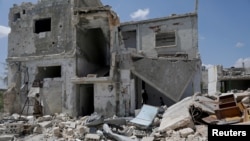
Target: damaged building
[[223, 80], [76, 57]]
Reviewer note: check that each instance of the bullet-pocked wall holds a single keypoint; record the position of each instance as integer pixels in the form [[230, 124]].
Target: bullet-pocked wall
[[41, 48], [40, 29], [88, 62], [57, 90]]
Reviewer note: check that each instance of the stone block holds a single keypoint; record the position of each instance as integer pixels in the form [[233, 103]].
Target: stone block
[[185, 132], [92, 137], [57, 132], [70, 132], [147, 139], [45, 118], [14, 128], [45, 124], [38, 130]]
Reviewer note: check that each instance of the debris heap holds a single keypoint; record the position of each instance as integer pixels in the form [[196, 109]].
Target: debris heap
[[185, 120]]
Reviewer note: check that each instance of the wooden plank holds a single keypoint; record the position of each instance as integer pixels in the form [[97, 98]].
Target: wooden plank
[[228, 112]]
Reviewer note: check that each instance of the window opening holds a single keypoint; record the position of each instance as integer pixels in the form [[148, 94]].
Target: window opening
[[49, 72], [42, 25], [165, 39], [17, 16]]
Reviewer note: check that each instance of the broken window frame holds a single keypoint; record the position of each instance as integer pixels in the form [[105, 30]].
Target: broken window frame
[[43, 29], [170, 35]]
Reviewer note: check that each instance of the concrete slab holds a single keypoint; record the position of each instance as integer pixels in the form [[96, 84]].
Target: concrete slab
[[146, 115], [45, 124], [177, 116], [6, 137]]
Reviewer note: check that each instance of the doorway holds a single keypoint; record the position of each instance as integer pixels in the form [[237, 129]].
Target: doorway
[[86, 99]]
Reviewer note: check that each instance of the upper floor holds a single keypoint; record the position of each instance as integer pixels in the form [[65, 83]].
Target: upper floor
[[57, 27], [173, 37]]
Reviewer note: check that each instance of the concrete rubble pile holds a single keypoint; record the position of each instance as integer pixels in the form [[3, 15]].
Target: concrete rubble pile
[[186, 120]]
